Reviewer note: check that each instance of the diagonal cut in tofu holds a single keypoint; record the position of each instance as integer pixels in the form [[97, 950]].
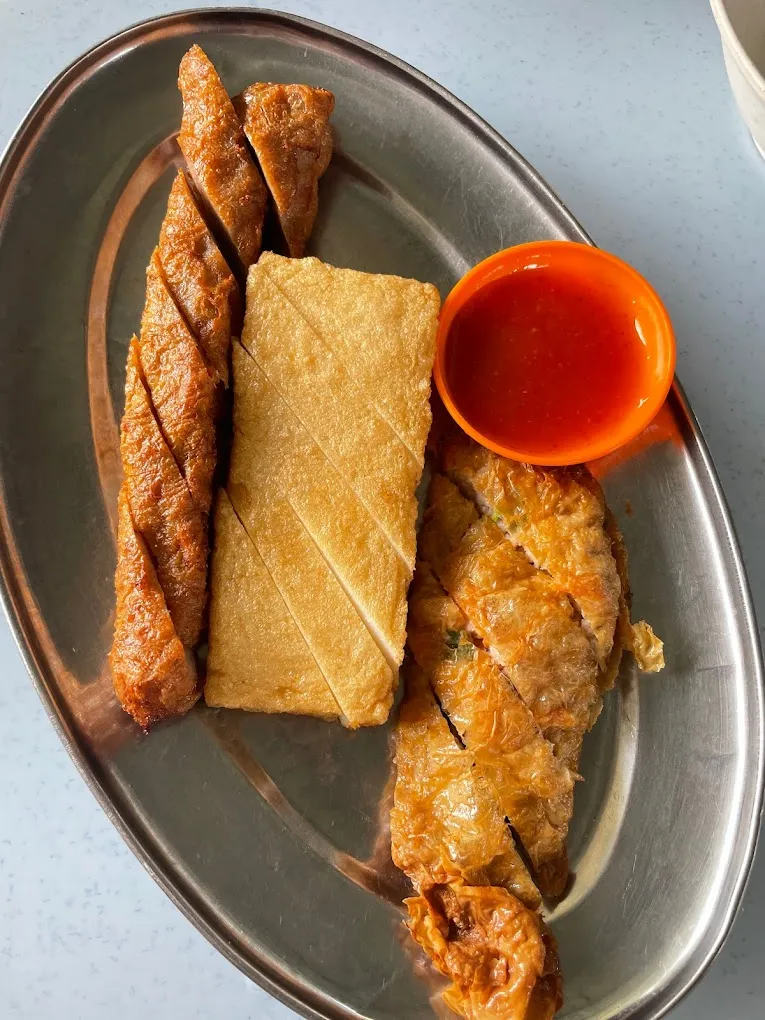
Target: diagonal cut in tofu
[[325, 491], [325, 398], [356, 670], [356, 550], [384, 335], [259, 660]]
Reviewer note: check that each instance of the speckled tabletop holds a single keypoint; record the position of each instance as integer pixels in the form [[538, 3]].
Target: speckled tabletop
[[623, 105]]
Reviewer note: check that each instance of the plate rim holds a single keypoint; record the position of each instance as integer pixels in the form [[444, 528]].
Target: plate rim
[[295, 992]]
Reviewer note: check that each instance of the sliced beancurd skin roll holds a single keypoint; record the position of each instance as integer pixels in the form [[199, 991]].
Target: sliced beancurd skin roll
[[531, 787]]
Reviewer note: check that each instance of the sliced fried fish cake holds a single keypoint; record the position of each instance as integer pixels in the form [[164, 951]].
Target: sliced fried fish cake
[[173, 527], [154, 675], [288, 129], [183, 392], [212, 140], [199, 277]]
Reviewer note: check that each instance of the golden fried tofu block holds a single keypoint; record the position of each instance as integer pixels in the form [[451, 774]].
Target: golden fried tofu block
[[325, 490], [358, 673], [258, 658], [321, 388], [355, 548], [383, 328]]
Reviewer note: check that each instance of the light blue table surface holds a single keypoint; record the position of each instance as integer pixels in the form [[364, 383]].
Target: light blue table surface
[[623, 105]]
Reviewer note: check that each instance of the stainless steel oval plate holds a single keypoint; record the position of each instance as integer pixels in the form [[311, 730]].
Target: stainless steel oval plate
[[269, 833]]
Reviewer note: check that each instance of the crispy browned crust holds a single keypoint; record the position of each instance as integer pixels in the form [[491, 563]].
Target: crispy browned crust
[[213, 143], [174, 529], [288, 128], [153, 675], [547, 996], [199, 277], [530, 569], [183, 392]]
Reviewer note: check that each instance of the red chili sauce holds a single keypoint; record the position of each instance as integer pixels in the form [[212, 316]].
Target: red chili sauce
[[543, 358]]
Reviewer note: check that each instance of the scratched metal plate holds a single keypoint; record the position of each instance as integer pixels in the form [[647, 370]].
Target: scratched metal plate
[[269, 833]]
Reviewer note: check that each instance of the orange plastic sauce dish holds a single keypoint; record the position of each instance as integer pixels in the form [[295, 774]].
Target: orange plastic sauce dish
[[554, 353]]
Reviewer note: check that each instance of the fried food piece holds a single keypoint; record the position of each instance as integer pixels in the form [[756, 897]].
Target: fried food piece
[[199, 277], [326, 493], [357, 441], [520, 614], [498, 954], [638, 638], [358, 675], [445, 822], [547, 994], [646, 647], [382, 328], [163, 512], [288, 128], [557, 516], [258, 659], [154, 675], [355, 548], [356, 671], [213, 143], [533, 789], [447, 519], [174, 377], [183, 393]]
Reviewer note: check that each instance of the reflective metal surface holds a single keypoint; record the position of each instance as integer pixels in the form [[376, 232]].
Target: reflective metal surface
[[269, 833]]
